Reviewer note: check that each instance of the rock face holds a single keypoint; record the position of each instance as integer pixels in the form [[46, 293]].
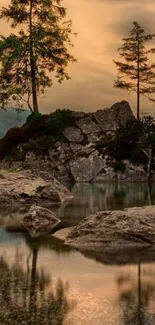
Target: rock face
[[26, 187], [81, 155], [39, 221], [88, 126], [86, 169], [111, 229], [73, 134]]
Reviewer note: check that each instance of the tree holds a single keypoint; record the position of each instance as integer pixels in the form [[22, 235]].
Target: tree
[[136, 67], [39, 48]]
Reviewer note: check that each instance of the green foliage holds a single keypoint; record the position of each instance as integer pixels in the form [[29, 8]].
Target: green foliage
[[126, 139], [59, 120], [135, 72], [39, 133], [40, 145], [12, 139], [37, 52], [130, 133], [34, 118]]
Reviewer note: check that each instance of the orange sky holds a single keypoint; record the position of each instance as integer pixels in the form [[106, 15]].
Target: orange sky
[[100, 25]]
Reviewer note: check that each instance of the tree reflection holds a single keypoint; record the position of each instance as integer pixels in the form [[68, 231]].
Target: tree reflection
[[24, 299], [135, 298]]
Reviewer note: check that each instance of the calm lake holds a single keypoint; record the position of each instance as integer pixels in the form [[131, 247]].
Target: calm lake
[[43, 281]]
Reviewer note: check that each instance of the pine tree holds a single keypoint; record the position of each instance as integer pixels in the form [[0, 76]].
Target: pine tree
[[37, 52], [136, 67]]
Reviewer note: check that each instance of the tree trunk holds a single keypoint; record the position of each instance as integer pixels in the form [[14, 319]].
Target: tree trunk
[[138, 80], [33, 65], [149, 164]]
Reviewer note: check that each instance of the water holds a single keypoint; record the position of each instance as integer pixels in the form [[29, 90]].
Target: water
[[45, 282]]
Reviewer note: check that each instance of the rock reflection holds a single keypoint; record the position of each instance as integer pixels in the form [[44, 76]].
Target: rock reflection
[[91, 198], [27, 296], [135, 298]]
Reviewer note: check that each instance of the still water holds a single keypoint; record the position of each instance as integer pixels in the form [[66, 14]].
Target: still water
[[45, 282]]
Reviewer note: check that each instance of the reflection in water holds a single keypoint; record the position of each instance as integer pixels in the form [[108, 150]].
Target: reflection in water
[[105, 293], [91, 198], [88, 199], [135, 298], [23, 296]]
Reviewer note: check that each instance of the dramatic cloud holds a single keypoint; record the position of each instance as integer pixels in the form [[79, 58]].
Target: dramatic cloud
[[100, 24]]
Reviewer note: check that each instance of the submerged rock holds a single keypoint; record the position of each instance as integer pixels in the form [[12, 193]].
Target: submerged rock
[[39, 221], [111, 229]]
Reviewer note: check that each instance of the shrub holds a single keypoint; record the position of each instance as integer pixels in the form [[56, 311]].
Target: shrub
[[119, 166], [12, 138], [58, 121], [40, 145]]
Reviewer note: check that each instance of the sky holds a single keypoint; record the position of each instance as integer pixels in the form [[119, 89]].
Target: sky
[[100, 24]]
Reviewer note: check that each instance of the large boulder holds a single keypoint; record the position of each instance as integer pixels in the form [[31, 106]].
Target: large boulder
[[111, 229], [86, 169], [88, 126], [110, 119], [26, 187], [39, 221]]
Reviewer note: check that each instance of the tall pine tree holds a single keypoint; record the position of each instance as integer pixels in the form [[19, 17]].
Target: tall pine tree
[[37, 50], [136, 68]]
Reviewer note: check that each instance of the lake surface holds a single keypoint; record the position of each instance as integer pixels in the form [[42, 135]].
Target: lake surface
[[43, 281]]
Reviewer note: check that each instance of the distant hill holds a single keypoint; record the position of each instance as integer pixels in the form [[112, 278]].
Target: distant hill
[[11, 118]]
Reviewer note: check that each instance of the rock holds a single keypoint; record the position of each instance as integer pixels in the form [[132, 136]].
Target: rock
[[88, 126], [86, 169], [75, 147], [39, 221], [111, 229], [106, 119], [26, 187], [123, 112], [110, 119], [63, 233], [94, 137], [73, 134]]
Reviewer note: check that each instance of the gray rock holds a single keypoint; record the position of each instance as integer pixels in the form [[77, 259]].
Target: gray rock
[[110, 119], [75, 147], [94, 137], [88, 126], [106, 119], [86, 169], [73, 134], [39, 221], [111, 229], [123, 112], [28, 187]]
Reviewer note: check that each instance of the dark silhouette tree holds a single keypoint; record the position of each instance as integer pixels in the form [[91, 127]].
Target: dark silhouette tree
[[135, 72], [24, 299], [38, 49]]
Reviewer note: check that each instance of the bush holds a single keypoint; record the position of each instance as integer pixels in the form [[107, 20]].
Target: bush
[[119, 166], [40, 145], [139, 156], [58, 121], [13, 138]]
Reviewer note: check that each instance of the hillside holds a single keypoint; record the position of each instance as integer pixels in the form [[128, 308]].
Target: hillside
[[107, 145], [10, 118]]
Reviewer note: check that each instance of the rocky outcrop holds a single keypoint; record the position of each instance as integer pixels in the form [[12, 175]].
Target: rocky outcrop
[[86, 169], [73, 134], [81, 155], [111, 229], [39, 221], [26, 187]]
